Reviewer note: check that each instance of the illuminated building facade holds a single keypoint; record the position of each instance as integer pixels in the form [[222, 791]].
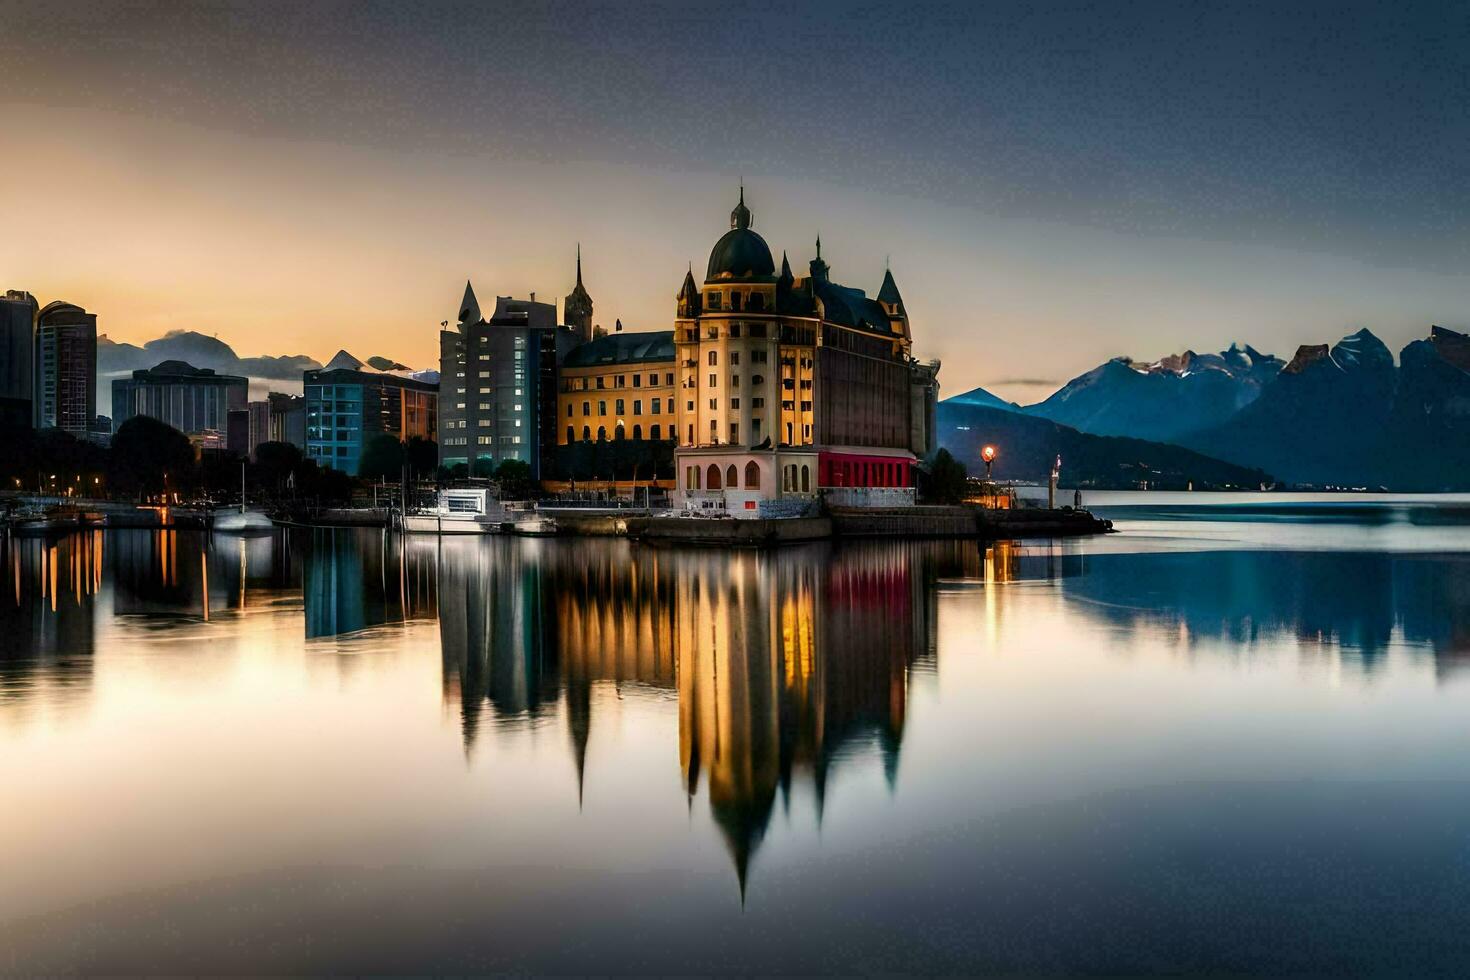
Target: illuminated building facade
[[346, 405], [788, 386], [619, 386], [499, 382]]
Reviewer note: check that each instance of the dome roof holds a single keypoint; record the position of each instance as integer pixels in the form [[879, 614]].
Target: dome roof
[[740, 254]]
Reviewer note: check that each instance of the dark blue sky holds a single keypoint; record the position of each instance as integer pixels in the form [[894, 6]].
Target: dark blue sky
[[1333, 130]]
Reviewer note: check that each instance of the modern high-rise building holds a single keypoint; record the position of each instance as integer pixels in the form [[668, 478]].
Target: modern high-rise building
[[278, 418], [65, 380], [788, 386], [498, 384], [288, 419], [258, 425], [18, 311], [193, 400], [347, 403]]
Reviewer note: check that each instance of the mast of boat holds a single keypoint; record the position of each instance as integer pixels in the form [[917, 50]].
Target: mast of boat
[[242, 487]]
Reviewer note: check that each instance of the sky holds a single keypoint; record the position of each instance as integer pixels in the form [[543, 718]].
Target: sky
[[1052, 184]]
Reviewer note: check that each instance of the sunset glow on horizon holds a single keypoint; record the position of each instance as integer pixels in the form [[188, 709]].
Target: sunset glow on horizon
[[294, 202]]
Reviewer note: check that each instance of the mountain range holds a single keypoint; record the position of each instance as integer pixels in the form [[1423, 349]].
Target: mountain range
[[283, 373], [1334, 415]]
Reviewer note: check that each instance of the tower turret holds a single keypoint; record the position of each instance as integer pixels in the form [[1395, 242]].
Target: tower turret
[[577, 307]]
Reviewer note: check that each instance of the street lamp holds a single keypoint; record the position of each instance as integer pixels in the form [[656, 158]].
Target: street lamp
[[988, 454]]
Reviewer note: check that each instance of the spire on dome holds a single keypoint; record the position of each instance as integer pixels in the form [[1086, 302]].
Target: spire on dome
[[469, 307], [818, 266], [740, 217]]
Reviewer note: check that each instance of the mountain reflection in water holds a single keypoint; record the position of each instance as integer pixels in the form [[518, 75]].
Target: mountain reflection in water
[[915, 754]]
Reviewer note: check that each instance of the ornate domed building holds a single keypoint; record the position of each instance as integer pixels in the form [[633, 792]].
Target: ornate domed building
[[787, 386]]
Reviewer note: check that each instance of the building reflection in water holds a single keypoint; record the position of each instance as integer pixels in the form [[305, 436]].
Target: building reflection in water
[[353, 579], [47, 616], [783, 661]]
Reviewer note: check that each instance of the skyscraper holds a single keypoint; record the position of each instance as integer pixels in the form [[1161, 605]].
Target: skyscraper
[[498, 383], [65, 381], [18, 312]]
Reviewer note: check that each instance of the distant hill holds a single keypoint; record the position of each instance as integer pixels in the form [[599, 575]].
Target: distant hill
[[981, 397], [1321, 420], [1163, 400], [1028, 445], [115, 360]]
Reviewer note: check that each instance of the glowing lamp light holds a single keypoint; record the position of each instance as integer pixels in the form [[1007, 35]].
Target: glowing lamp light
[[988, 454]]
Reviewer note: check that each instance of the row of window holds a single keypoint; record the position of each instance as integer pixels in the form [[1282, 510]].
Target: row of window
[[619, 407], [619, 381], [619, 432], [755, 302], [756, 357], [480, 423]]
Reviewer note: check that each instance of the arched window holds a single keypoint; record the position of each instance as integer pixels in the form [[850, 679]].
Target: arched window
[[602, 433], [806, 479], [586, 433], [752, 476], [637, 432], [732, 478], [571, 433], [654, 432], [712, 478], [714, 358], [618, 432]]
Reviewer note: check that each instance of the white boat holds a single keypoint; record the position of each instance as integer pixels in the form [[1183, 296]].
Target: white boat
[[467, 510], [243, 520], [534, 526]]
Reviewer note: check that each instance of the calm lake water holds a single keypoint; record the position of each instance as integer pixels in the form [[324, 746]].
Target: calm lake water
[[1235, 736]]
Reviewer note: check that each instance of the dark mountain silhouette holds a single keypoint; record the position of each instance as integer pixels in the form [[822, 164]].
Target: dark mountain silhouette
[[116, 360], [1426, 445], [1029, 445], [1164, 400], [979, 396], [1321, 420]]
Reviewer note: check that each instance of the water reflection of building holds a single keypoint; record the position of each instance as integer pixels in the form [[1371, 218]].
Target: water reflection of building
[[47, 615], [166, 572], [784, 662], [356, 578]]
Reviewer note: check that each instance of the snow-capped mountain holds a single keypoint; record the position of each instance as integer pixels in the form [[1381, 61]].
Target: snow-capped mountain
[[1162, 400]]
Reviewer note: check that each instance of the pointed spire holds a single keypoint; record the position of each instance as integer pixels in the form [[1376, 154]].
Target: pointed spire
[[785, 266], [740, 217], [579, 263], [469, 307], [819, 244]]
